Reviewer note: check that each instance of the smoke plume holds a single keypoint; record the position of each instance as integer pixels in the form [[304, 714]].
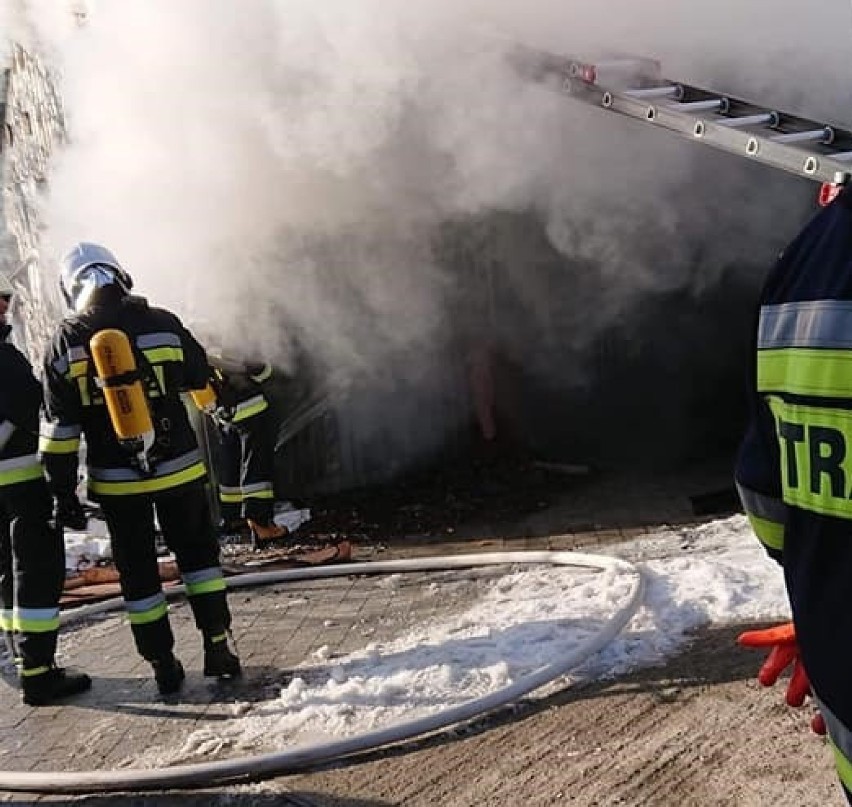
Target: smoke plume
[[343, 172]]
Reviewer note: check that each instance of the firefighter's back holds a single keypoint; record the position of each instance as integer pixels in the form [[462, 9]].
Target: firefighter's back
[[167, 365]]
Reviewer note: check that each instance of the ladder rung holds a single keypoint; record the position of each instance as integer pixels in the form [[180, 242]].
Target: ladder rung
[[698, 106], [826, 135], [655, 92], [749, 120]]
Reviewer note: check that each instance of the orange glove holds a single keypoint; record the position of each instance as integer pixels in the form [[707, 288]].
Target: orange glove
[[785, 651]]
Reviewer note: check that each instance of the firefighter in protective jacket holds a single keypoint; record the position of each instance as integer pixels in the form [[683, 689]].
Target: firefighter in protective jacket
[[161, 471], [246, 446], [32, 554], [794, 470]]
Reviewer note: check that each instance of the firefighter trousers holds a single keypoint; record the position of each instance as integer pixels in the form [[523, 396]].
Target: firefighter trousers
[[32, 572], [187, 528], [246, 467]]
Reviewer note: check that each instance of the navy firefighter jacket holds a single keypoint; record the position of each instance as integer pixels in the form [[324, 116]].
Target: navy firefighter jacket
[[171, 362], [20, 400], [794, 469]]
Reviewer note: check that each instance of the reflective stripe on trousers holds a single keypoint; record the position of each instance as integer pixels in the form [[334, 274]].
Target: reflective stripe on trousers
[[35, 620], [236, 495], [147, 610], [204, 581]]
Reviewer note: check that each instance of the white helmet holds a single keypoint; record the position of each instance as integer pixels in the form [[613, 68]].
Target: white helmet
[[87, 267]]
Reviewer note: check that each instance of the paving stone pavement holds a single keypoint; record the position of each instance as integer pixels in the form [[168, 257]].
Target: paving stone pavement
[[123, 718]]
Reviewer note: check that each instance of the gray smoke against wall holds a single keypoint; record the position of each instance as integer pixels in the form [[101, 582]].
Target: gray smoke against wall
[[270, 168]]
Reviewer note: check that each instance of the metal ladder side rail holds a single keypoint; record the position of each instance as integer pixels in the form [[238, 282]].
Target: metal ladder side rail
[[795, 151]]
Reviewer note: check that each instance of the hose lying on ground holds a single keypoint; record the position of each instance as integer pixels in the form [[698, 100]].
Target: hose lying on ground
[[304, 756]]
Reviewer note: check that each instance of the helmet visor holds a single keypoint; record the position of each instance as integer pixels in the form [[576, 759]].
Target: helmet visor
[[83, 283]]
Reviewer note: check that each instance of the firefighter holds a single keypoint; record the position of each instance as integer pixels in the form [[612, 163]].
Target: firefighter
[[132, 479], [32, 553], [246, 447], [794, 467]]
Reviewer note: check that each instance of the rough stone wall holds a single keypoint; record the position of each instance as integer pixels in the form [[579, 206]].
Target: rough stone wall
[[32, 121]]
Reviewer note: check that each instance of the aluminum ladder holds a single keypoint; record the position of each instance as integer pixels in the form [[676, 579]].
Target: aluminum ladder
[[634, 87]]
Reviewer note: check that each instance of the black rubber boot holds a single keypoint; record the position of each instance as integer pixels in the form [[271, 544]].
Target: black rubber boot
[[169, 674], [219, 661], [53, 685]]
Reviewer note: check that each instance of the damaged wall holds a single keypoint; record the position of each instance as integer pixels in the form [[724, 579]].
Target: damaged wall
[[32, 123]]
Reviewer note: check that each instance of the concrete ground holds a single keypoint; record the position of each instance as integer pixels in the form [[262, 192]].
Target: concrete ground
[[695, 732]]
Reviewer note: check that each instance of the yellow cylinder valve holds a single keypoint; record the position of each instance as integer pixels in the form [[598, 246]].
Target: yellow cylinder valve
[[123, 391], [204, 399]]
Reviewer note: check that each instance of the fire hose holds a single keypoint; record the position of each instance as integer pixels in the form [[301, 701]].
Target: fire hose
[[250, 768]]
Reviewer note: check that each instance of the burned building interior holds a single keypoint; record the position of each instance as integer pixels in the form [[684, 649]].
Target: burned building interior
[[520, 379]]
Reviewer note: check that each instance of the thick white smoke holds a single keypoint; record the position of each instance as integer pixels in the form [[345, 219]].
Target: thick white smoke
[[279, 167], [287, 162]]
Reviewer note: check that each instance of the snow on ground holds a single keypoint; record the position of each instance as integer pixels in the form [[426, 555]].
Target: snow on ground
[[527, 618], [85, 548]]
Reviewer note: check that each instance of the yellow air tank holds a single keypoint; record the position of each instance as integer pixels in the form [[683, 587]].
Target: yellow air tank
[[204, 399], [124, 393]]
